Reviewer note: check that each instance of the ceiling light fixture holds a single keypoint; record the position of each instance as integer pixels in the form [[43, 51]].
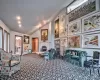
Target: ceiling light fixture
[[44, 22], [19, 22], [18, 18]]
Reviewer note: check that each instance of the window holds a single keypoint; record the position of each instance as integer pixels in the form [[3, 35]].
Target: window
[[6, 41], [75, 4], [1, 37]]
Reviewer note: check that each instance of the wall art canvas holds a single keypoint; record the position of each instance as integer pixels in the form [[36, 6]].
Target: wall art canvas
[[74, 41], [57, 28], [63, 42], [84, 9], [91, 41], [57, 46], [91, 23], [74, 27], [62, 25], [44, 34], [26, 39]]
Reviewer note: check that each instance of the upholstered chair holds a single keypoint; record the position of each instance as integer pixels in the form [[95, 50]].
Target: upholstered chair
[[9, 63]]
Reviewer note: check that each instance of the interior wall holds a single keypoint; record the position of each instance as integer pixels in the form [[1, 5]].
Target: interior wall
[[49, 43], [88, 50], [4, 26]]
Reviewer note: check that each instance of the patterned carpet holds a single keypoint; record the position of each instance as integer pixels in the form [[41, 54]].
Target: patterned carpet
[[33, 67]]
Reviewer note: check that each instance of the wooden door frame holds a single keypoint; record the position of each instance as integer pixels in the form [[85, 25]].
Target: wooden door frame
[[38, 43], [21, 44]]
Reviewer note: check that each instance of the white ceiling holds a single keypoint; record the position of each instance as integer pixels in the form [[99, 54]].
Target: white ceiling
[[31, 11]]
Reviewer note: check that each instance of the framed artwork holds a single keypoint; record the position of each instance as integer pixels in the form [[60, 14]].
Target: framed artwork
[[26, 39], [57, 43], [74, 41], [91, 23], [74, 27], [57, 46], [63, 42], [57, 28], [86, 8], [91, 41], [62, 25], [44, 34]]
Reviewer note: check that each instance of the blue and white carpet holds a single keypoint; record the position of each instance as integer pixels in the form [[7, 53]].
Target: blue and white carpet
[[34, 67]]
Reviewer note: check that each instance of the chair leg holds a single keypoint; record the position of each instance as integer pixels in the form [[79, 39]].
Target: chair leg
[[90, 71], [98, 72]]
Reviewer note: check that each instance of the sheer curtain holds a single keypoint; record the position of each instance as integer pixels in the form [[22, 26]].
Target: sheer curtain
[[1, 37], [5, 41], [8, 42]]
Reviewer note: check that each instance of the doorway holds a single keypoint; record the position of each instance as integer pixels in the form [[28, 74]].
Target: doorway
[[35, 44], [18, 45]]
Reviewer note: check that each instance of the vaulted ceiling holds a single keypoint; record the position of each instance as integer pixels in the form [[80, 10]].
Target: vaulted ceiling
[[32, 12]]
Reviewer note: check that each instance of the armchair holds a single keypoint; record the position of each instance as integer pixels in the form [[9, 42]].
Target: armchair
[[9, 63], [93, 63]]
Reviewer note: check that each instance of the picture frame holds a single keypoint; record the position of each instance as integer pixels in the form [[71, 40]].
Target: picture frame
[[74, 41], [91, 40], [57, 28], [44, 35], [57, 45], [62, 24], [63, 42], [91, 23], [26, 39], [86, 8], [74, 27]]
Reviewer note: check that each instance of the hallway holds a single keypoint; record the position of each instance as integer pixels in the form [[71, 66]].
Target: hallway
[[34, 67]]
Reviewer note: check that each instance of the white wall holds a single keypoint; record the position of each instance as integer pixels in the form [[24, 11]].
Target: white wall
[[4, 26], [49, 43], [12, 40]]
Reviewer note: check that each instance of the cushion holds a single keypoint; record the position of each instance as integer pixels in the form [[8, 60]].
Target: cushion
[[13, 63]]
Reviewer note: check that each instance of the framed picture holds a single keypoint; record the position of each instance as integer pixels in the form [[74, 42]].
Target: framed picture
[[44, 34], [91, 41], [62, 25], [63, 42], [74, 27], [86, 8], [57, 28], [57, 46], [26, 39], [91, 23], [74, 41]]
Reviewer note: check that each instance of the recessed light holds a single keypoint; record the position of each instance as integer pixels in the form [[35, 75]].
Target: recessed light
[[19, 22], [18, 18], [44, 22], [20, 25]]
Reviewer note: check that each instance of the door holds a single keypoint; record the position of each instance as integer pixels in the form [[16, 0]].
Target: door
[[35, 44], [18, 45]]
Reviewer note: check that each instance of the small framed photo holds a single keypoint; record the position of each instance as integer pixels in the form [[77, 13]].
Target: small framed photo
[[26, 39], [44, 34]]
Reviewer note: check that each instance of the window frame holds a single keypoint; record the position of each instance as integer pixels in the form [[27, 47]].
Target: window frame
[[2, 37], [7, 41]]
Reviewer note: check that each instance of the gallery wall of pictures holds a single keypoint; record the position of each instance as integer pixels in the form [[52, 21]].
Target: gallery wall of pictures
[[82, 26]]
